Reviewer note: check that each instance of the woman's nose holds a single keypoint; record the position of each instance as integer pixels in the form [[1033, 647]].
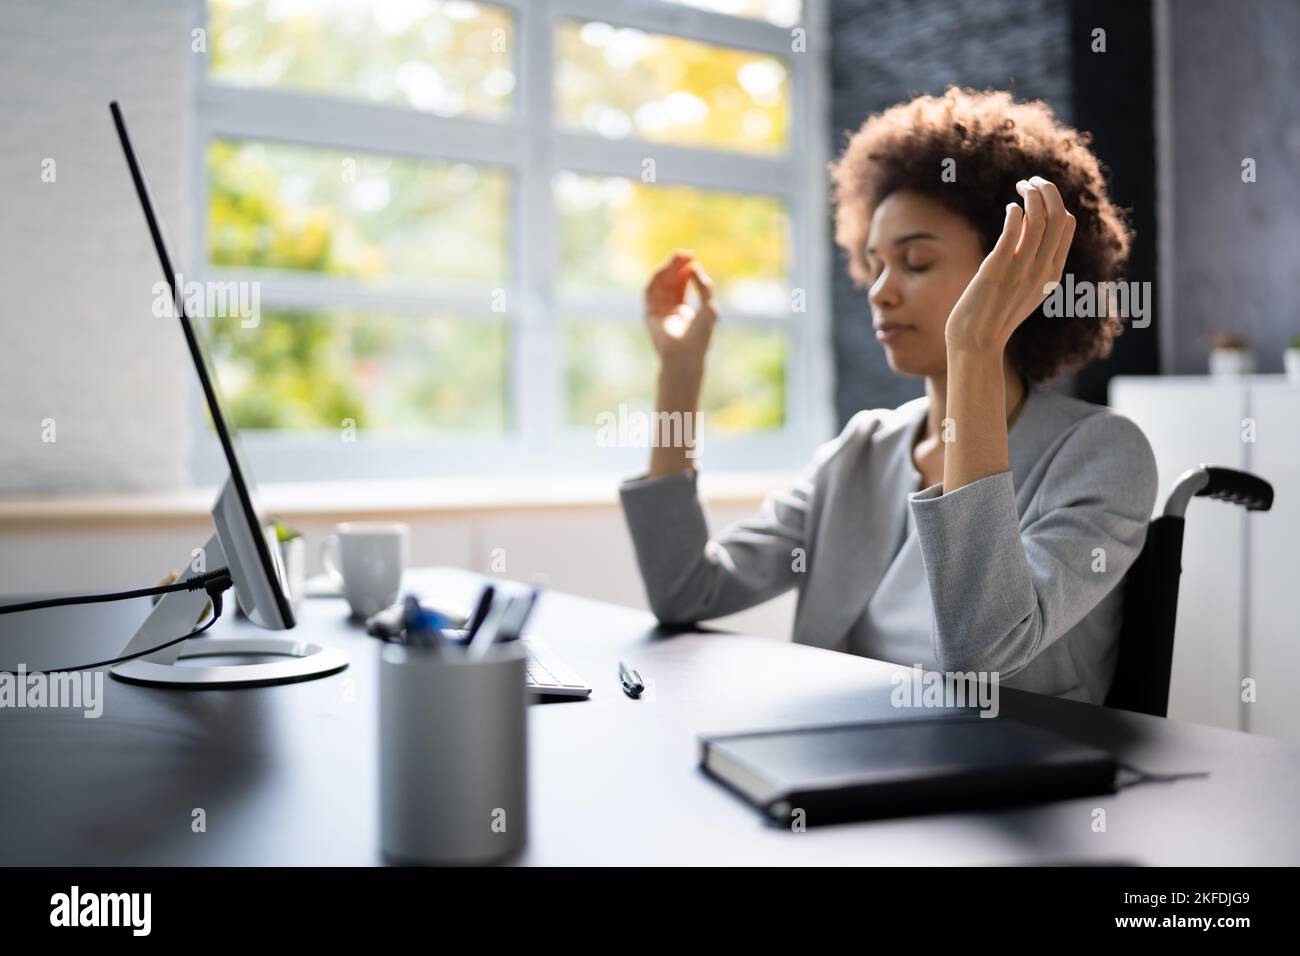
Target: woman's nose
[[884, 291]]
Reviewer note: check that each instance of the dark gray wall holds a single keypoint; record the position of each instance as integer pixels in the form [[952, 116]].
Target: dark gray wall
[[1114, 100], [1234, 72]]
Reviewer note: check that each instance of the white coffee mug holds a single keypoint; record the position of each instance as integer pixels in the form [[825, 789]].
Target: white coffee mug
[[367, 558]]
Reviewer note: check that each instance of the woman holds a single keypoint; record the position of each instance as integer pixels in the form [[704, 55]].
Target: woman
[[988, 525]]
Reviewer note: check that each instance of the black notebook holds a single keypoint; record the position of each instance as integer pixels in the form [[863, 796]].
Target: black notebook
[[904, 766]]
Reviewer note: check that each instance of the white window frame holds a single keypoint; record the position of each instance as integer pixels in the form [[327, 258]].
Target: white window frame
[[532, 149]]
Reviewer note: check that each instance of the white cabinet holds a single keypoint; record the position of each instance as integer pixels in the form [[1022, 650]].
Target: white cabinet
[[1237, 605], [1273, 586]]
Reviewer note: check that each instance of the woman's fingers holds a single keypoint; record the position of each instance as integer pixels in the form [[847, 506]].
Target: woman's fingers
[[669, 264], [1012, 227], [706, 315], [1035, 221], [1059, 233], [1054, 211], [1063, 247], [1051, 198], [668, 285], [703, 284], [672, 265]]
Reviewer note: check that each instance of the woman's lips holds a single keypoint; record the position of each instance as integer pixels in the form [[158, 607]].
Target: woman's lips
[[888, 332]]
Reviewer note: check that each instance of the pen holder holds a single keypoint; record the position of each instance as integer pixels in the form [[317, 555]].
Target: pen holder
[[453, 754]]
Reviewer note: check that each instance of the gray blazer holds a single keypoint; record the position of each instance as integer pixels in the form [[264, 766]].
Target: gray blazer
[[1025, 567]]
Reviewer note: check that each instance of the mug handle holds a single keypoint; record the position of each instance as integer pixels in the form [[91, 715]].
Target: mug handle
[[327, 560]]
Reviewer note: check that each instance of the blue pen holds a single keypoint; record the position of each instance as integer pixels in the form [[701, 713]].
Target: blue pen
[[421, 629]]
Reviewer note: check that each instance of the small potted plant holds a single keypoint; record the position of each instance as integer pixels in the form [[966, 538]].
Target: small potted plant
[[1230, 355], [1291, 360]]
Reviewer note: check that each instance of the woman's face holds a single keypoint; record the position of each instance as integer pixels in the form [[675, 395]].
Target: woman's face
[[921, 257]]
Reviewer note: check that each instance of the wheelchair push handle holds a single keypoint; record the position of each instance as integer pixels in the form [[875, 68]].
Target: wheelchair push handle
[[1226, 484], [1239, 487]]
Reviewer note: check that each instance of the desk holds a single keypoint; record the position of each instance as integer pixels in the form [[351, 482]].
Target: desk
[[288, 775]]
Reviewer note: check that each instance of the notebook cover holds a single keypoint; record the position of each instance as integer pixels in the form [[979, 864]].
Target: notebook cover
[[902, 767]]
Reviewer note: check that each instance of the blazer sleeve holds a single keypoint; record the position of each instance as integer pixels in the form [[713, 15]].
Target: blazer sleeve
[[1002, 593], [691, 576]]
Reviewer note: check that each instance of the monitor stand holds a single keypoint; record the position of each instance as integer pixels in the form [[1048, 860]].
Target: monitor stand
[[178, 612]]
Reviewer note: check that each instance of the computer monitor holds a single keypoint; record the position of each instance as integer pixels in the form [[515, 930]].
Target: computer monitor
[[240, 543]]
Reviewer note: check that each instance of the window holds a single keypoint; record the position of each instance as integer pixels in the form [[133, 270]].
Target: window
[[449, 211]]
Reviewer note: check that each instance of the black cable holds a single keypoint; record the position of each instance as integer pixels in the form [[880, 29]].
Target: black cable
[[1145, 777], [189, 584], [215, 583]]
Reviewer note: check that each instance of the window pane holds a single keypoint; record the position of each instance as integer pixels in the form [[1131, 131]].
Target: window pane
[[354, 214], [447, 58], [618, 82], [312, 370], [613, 363], [615, 233], [783, 13]]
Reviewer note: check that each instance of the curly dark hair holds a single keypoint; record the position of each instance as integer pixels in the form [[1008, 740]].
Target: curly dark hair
[[995, 142]]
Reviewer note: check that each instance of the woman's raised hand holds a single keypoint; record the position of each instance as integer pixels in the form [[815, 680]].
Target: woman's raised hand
[[679, 330], [1018, 274]]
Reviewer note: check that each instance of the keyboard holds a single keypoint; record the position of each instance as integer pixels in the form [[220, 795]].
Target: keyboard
[[548, 674]]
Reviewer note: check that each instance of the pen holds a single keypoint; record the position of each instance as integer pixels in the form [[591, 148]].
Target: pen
[[504, 622], [420, 631], [480, 613], [632, 684], [486, 632]]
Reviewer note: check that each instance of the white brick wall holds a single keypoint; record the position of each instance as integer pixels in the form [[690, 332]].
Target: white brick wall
[[80, 344]]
